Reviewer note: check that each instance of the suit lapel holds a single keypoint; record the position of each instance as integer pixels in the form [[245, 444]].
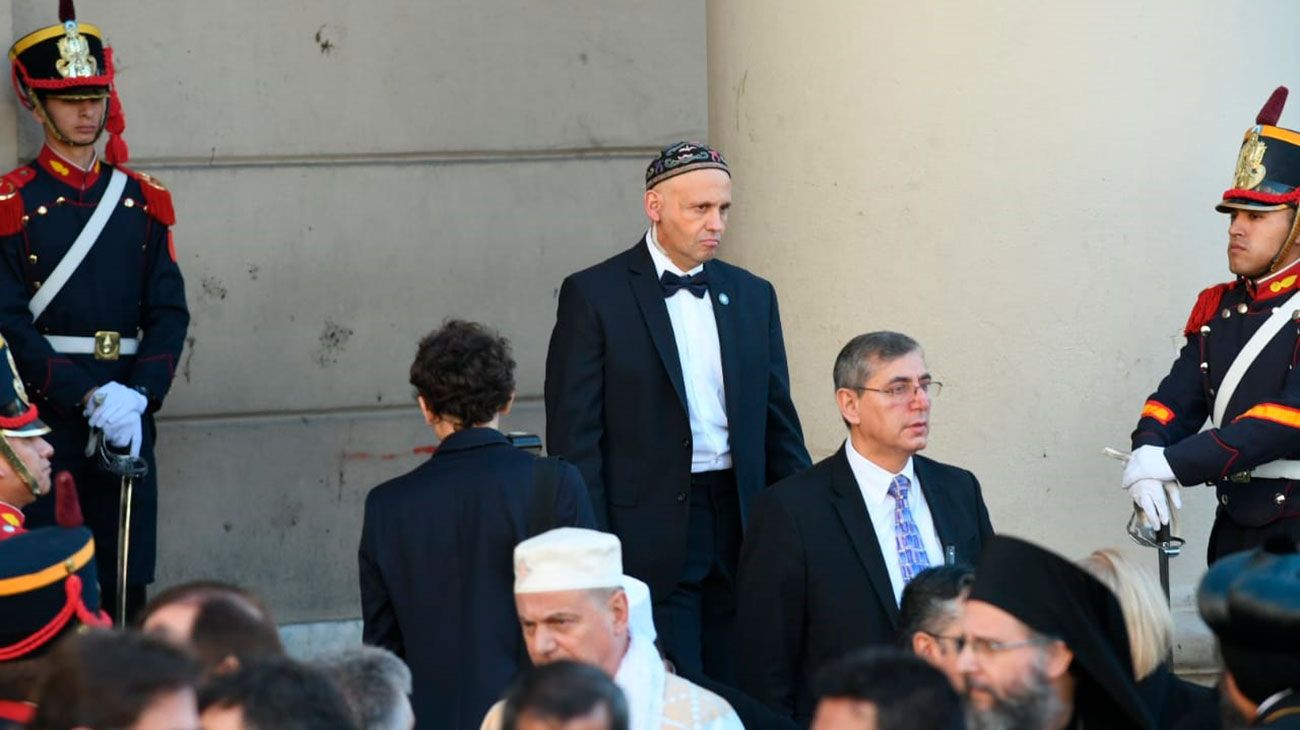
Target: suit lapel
[[847, 498], [650, 298], [729, 339], [942, 511]]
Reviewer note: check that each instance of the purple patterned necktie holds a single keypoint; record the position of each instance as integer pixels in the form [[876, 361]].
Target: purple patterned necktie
[[911, 551]]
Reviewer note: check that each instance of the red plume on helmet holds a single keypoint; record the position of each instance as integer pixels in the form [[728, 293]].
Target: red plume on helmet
[[67, 508], [1269, 113], [115, 151]]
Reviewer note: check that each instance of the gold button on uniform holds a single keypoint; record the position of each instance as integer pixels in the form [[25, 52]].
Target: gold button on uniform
[[1242, 308], [31, 259], [1205, 329], [1227, 313], [129, 203], [1280, 498], [1205, 366], [36, 285], [42, 210], [60, 200]]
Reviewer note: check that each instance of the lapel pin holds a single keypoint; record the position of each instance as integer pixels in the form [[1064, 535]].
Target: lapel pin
[[723, 299]]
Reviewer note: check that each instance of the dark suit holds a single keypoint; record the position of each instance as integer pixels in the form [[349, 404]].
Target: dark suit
[[616, 403], [813, 583], [437, 575]]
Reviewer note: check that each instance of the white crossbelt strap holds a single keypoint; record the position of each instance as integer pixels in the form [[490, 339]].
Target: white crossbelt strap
[[80, 247], [86, 345], [1277, 470], [1246, 358]]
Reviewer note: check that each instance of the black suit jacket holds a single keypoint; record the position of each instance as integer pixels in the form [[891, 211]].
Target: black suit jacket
[[437, 570], [813, 583], [616, 402]]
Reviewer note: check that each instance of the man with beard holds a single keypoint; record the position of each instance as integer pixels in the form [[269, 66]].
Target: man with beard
[[1251, 600], [1044, 646]]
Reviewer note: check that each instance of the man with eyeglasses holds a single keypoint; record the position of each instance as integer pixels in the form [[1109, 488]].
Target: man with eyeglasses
[[1044, 646], [828, 551], [930, 620]]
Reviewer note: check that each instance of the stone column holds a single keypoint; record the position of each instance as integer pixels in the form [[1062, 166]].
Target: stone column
[[1026, 188]]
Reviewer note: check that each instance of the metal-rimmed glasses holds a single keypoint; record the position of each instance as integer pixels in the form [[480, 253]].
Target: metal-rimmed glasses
[[984, 648], [905, 392]]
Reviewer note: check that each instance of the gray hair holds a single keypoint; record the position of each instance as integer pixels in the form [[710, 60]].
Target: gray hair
[[853, 366], [375, 682]]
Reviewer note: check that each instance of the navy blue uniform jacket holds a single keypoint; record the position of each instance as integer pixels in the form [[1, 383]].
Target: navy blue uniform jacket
[[616, 402], [129, 283], [1262, 420], [813, 583], [437, 570]]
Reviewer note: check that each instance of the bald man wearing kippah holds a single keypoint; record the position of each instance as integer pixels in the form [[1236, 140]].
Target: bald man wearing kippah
[[667, 386]]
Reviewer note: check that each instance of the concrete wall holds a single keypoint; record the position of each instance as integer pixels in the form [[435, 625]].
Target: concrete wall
[[346, 176], [1026, 188]]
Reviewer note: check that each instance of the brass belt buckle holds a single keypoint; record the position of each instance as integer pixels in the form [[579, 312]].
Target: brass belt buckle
[[1241, 477], [108, 345]]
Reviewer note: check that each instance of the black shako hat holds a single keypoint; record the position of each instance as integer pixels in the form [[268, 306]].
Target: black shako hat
[[1055, 597], [69, 60], [1251, 600], [1267, 175]]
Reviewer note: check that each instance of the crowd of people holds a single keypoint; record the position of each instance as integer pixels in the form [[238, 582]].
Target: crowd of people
[[677, 560]]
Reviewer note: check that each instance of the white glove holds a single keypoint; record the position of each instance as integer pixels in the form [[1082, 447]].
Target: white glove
[[1154, 497], [114, 404], [1148, 462], [125, 432]]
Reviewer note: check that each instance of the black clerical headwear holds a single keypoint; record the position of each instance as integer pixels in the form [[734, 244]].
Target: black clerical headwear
[[1053, 596]]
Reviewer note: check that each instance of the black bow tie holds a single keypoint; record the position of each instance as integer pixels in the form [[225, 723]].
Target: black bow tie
[[696, 284]]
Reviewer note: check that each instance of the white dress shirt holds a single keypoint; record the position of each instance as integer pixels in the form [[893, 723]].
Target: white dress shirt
[[696, 333], [874, 483]]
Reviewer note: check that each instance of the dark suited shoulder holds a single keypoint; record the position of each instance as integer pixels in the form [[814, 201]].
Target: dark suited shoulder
[[742, 277], [952, 476], [602, 275], [803, 490], [961, 490]]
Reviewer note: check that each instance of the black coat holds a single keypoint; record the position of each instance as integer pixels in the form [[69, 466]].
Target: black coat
[[616, 402], [1170, 698], [437, 572], [813, 583]]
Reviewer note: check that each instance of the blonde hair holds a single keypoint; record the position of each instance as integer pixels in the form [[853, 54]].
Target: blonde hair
[[1147, 617]]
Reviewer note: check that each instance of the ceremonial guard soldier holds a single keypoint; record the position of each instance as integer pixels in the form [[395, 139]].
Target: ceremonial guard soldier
[[1237, 366], [91, 298], [48, 583]]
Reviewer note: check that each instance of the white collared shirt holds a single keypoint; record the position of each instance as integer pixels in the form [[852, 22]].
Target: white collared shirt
[[696, 333], [874, 483]]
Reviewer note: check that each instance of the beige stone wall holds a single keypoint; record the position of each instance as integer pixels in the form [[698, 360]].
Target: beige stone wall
[[1025, 187], [347, 175]]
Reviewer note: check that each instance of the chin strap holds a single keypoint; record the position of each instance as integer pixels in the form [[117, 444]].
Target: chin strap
[[1285, 250], [19, 468], [54, 130]]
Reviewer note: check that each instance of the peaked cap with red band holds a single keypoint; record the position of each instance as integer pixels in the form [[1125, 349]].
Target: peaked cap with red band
[[71, 61]]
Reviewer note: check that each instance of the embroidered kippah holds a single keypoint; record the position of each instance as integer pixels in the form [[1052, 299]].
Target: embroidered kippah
[[681, 157]]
